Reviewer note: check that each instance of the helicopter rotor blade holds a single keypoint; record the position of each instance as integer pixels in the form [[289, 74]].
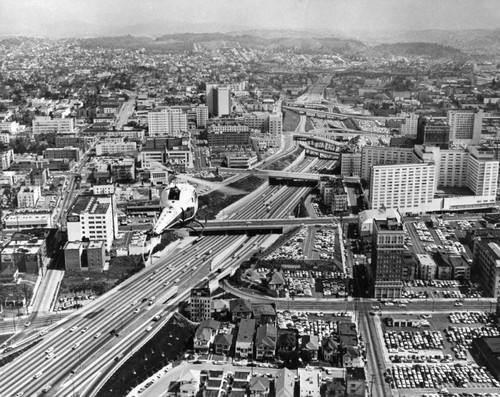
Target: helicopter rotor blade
[[231, 191]]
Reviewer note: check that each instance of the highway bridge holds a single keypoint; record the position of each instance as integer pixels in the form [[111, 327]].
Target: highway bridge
[[280, 174]]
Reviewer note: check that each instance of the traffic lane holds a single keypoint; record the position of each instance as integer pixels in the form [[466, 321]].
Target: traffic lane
[[145, 275]]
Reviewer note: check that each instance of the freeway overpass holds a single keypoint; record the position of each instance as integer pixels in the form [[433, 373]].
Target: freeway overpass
[[262, 226], [280, 174]]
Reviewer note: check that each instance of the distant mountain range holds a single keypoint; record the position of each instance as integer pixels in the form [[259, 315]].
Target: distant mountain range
[[432, 43]]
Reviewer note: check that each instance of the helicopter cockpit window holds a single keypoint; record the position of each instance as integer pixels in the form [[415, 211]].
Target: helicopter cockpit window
[[174, 193]]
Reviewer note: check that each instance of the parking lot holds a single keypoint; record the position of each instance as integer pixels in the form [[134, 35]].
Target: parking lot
[[437, 358], [321, 324], [449, 289], [310, 242]]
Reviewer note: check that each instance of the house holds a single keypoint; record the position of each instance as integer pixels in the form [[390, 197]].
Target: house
[[259, 386], [264, 313], [189, 383], [240, 309], [347, 333], [287, 340], [330, 350], [335, 388], [355, 382], [284, 383], [265, 342], [240, 384], [204, 336], [309, 382], [222, 343], [277, 281], [352, 357], [244, 340], [310, 343]]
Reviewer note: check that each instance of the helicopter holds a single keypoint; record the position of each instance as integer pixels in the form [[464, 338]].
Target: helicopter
[[179, 203]]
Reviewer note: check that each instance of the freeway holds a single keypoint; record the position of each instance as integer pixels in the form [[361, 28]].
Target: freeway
[[125, 111], [83, 348]]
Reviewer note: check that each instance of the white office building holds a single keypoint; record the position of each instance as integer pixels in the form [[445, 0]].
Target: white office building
[[167, 121], [93, 217]]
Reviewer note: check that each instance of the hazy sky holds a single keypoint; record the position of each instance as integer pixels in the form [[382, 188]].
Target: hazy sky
[[334, 15]]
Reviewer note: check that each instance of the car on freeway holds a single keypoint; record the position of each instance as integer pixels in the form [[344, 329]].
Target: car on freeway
[[137, 311], [73, 328], [177, 280], [37, 375], [148, 329], [97, 335], [27, 323], [49, 350], [133, 303], [46, 388], [20, 394], [49, 356], [85, 330], [75, 346]]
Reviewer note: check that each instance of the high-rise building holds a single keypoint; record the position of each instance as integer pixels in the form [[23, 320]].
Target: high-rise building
[[350, 164], [167, 121], [433, 132], [375, 155], [276, 123], [465, 126], [201, 116], [482, 171], [201, 303], [402, 185], [218, 100], [409, 125], [93, 217], [388, 259], [487, 261]]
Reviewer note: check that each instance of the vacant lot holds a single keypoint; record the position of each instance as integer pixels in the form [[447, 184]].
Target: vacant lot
[[167, 345]]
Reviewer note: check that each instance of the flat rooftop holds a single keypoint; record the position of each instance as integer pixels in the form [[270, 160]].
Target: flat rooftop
[[88, 204]]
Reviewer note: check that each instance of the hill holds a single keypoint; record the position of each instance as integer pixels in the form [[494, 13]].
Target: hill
[[431, 50]]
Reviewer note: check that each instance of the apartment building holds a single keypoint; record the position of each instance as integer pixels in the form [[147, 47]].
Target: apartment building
[[402, 185], [201, 304], [115, 146], [28, 196], [482, 171], [46, 124], [375, 155], [167, 121], [465, 126]]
